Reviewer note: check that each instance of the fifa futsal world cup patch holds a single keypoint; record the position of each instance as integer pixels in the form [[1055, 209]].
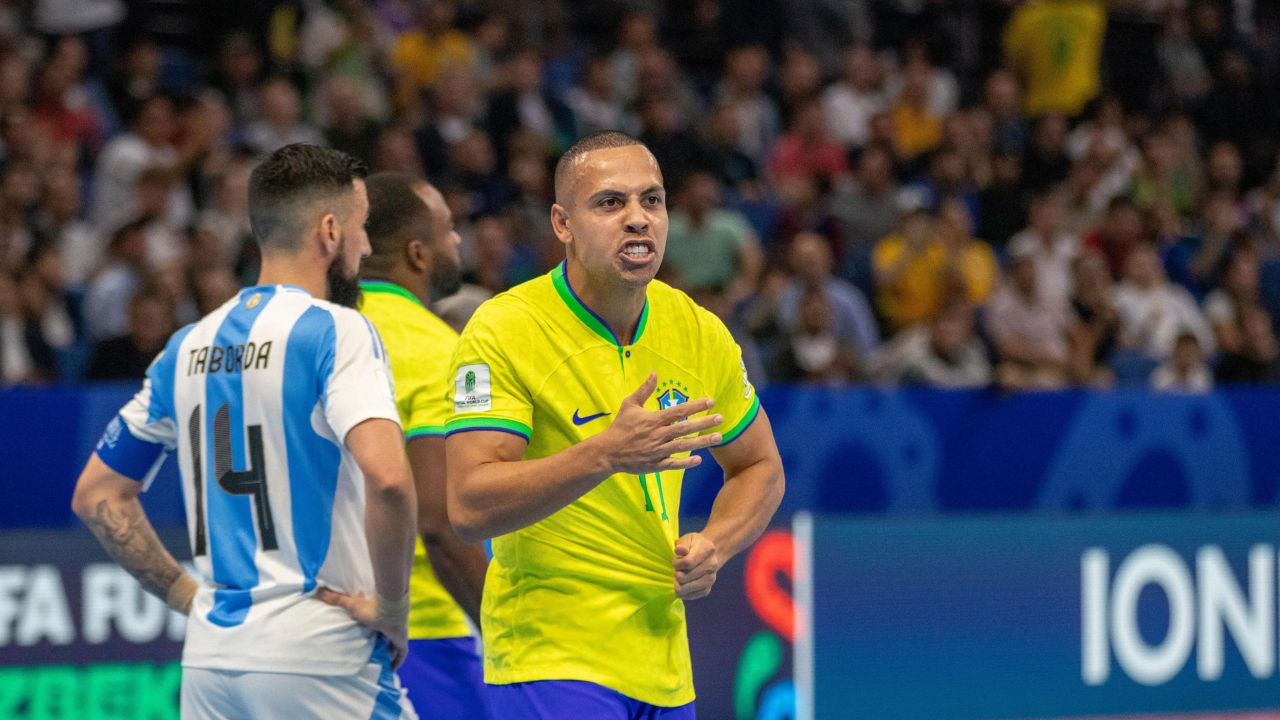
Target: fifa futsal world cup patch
[[472, 389]]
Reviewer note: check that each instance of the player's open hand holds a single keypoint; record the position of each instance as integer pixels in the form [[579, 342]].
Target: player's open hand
[[696, 565], [645, 441], [387, 617]]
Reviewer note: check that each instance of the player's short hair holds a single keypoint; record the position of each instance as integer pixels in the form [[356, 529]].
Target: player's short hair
[[395, 212], [602, 140], [287, 189]]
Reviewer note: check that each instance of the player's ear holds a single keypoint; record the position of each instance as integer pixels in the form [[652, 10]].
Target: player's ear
[[330, 234], [417, 255], [560, 224]]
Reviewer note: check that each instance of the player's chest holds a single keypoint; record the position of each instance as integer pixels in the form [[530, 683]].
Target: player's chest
[[581, 396]]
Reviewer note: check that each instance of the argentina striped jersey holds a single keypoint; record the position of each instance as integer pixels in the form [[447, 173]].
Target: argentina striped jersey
[[257, 399]]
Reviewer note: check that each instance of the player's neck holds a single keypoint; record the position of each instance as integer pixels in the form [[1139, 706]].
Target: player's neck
[[415, 284], [618, 305], [288, 270]]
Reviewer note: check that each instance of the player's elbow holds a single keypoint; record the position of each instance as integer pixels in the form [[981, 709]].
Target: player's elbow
[[468, 524], [466, 516], [391, 487]]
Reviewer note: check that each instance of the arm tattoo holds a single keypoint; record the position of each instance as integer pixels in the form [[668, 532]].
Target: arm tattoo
[[128, 537]]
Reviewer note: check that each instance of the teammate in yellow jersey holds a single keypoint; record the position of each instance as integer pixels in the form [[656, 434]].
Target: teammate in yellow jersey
[[559, 449], [415, 257]]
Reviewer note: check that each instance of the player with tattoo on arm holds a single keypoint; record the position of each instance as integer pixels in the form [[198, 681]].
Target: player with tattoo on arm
[[281, 410]]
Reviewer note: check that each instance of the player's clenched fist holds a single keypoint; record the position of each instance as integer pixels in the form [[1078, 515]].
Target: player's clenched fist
[[643, 441], [696, 564]]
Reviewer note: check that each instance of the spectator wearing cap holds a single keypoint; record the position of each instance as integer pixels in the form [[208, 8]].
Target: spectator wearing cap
[[1029, 331]]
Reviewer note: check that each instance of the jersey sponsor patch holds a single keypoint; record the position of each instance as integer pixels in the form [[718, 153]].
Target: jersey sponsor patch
[[472, 389]]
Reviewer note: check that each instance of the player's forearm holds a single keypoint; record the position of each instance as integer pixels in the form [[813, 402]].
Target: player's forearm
[[498, 497], [122, 527], [461, 568], [744, 507], [390, 523]]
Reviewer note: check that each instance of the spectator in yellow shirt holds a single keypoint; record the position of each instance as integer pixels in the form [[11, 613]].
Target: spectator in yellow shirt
[[420, 54], [1055, 46], [928, 262]]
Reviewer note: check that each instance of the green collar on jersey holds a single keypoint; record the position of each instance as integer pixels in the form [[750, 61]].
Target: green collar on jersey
[[561, 282], [390, 288]]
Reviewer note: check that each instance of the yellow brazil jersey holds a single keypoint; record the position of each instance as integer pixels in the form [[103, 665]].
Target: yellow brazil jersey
[[419, 346], [587, 594], [1056, 45]]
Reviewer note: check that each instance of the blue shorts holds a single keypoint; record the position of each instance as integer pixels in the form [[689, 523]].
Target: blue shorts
[[555, 699], [445, 679]]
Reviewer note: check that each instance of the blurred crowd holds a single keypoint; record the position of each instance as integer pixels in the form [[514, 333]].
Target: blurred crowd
[[1025, 194]]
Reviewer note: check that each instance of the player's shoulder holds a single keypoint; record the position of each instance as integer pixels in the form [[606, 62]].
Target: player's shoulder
[[672, 310], [522, 303]]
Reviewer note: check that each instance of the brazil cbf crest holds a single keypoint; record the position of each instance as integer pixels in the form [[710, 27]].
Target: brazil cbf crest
[[672, 393]]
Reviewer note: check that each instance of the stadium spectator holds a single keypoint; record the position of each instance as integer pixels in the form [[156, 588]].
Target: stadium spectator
[[1154, 312], [52, 327], [280, 120], [708, 244], [420, 55], [867, 210], [917, 124], [16, 363], [1046, 163], [1095, 325], [1257, 360], [1120, 232], [107, 296], [593, 101], [1052, 250], [151, 321], [930, 263], [942, 353], [1029, 330], [745, 71], [851, 319], [813, 352], [859, 95], [1185, 371], [348, 126], [1239, 290], [806, 149], [60, 222], [147, 144], [1055, 46]]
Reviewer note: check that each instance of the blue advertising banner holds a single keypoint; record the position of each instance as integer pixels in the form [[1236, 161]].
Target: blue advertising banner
[[1043, 617]]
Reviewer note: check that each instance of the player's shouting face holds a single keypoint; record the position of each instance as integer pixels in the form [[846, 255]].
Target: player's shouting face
[[613, 217]]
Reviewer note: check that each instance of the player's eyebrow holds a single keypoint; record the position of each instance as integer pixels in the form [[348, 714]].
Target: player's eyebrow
[[610, 192]]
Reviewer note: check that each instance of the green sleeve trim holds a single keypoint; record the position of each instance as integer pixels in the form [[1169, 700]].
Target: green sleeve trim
[[744, 423], [424, 431], [488, 423]]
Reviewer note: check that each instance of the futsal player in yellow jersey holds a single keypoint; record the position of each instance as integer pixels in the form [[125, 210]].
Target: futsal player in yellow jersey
[[415, 256], [578, 397]]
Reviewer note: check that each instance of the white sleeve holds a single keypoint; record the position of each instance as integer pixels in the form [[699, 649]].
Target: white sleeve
[[359, 385]]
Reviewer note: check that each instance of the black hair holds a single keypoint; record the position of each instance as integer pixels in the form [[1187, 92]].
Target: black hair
[[285, 187], [395, 212]]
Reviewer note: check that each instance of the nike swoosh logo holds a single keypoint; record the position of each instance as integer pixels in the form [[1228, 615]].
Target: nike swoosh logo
[[579, 420]]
